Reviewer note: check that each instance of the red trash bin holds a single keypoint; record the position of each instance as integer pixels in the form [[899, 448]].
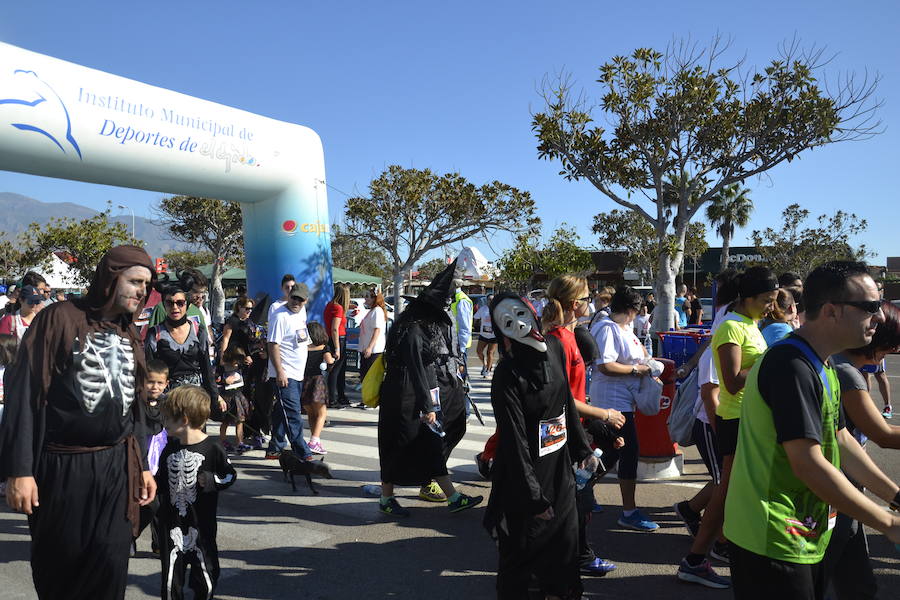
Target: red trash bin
[[652, 431]]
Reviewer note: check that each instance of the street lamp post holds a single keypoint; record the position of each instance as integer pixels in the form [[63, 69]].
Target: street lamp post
[[123, 207]]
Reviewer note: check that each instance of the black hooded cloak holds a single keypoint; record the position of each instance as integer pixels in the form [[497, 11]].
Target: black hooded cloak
[[74, 420], [540, 439], [418, 359]]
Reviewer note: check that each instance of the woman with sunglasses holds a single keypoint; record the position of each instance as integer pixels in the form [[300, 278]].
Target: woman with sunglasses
[[847, 557], [182, 343], [239, 330], [16, 323]]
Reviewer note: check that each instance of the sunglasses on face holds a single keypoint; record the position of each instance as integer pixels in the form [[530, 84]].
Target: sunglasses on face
[[178, 303], [585, 299], [245, 308], [870, 306]]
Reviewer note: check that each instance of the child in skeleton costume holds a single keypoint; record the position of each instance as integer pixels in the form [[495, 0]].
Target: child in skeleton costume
[[193, 469], [74, 433], [531, 510]]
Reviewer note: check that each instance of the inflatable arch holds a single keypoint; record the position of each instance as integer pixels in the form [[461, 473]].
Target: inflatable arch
[[63, 120]]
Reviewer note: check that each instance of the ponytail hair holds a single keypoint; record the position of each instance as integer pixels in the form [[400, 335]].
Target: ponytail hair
[[561, 291]]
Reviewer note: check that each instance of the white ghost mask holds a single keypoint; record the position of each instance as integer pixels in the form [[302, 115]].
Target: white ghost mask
[[517, 322]]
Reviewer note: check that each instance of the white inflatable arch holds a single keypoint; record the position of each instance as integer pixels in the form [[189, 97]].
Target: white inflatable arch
[[63, 120]]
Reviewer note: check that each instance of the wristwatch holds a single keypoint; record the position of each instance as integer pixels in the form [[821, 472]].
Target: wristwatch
[[634, 370], [895, 503]]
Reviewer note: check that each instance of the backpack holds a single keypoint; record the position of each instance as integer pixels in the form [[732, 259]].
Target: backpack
[[371, 385], [681, 419]]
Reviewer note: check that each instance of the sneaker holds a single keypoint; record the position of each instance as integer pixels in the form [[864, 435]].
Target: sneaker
[[484, 372], [259, 442], [888, 412], [228, 447], [597, 567], [393, 508], [688, 516], [361, 406], [702, 574], [317, 448], [597, 508], [464, 502], [273, 455], [638, 522], [241, 448], [431, 492], [721, 552]]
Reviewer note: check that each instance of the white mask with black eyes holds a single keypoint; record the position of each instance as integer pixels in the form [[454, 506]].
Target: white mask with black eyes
[[517, 322]]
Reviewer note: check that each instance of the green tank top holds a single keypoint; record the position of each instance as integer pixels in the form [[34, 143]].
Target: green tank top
[[769, 511]]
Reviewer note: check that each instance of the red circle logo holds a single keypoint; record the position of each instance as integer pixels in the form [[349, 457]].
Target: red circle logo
[[290, 226]]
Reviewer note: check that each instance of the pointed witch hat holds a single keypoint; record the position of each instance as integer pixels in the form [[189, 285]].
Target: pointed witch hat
[[439, 292]]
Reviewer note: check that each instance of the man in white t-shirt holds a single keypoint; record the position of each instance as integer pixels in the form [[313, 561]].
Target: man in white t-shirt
[[287, 282], [288, 341]]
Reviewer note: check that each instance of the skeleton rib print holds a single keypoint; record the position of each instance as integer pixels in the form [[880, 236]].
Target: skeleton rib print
[[183, 467], [105, 369]]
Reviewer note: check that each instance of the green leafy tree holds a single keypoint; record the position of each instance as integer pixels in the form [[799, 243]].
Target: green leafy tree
[[682, 116], [212, 225], [354, 254], [429, 269], [729, 208], [695, 245], [562, 254], [85, 241], [800, 249], [411, 212], [12, 263], [178, 260], [629, 232]]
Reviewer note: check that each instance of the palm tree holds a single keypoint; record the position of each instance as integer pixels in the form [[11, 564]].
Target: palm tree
[[732, 206]]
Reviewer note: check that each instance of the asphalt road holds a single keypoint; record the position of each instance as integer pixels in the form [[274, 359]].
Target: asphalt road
[[275, 543]]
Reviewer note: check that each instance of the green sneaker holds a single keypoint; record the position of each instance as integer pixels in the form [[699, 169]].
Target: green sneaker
[[393, 508], [464, 502], [432, 493]]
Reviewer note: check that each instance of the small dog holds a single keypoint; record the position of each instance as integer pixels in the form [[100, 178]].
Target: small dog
[[291, 465]]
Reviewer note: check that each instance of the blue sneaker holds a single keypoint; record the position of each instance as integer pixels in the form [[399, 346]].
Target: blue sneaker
[[702, 574], [597, 508], [638, 522], [597, 567]]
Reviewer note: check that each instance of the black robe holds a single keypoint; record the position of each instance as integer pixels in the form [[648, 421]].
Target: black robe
[[409, 452], [533, 470], [72, 436], [189, 479]]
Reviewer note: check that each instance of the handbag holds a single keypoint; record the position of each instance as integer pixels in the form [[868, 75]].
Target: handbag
[[681, 419], [647, 395], [371, 385]]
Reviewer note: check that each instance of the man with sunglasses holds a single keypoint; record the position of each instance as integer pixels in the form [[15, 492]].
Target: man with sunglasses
[[288, 341], [786, 484]]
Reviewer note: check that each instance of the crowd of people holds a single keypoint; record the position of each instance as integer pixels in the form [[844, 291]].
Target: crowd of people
[[106, 399]]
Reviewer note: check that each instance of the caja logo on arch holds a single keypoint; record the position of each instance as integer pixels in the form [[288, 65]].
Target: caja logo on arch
[[292, 227]]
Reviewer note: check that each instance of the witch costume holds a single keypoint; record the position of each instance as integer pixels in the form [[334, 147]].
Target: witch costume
[[75, 421], [420, 378], [540, 439]]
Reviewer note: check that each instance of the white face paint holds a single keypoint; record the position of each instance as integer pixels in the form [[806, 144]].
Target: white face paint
[[517, 321]]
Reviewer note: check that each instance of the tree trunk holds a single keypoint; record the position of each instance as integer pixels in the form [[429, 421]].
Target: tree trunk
[[398, 290], [726, 245], [217, 293]]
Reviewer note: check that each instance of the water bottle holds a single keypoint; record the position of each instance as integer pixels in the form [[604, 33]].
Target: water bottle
[[584, 474], [435, 427], [371, 490]]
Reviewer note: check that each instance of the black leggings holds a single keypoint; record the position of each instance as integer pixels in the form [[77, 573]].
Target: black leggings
[[337, 376], [628, 454]]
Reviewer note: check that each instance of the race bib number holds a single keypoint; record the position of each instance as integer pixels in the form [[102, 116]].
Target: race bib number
[[552, 434]]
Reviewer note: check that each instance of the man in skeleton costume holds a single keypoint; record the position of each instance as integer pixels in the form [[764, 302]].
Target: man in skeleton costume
[[71, 437], [531, 510]]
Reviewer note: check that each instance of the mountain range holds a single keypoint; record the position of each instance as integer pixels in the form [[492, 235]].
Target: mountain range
[[17, 212]]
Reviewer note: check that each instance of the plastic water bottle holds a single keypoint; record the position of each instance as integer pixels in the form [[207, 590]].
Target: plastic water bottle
[[584, 474], [372, 490], [435, 427]]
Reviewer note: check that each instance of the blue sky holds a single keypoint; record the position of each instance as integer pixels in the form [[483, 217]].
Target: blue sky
[[451, 86]]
